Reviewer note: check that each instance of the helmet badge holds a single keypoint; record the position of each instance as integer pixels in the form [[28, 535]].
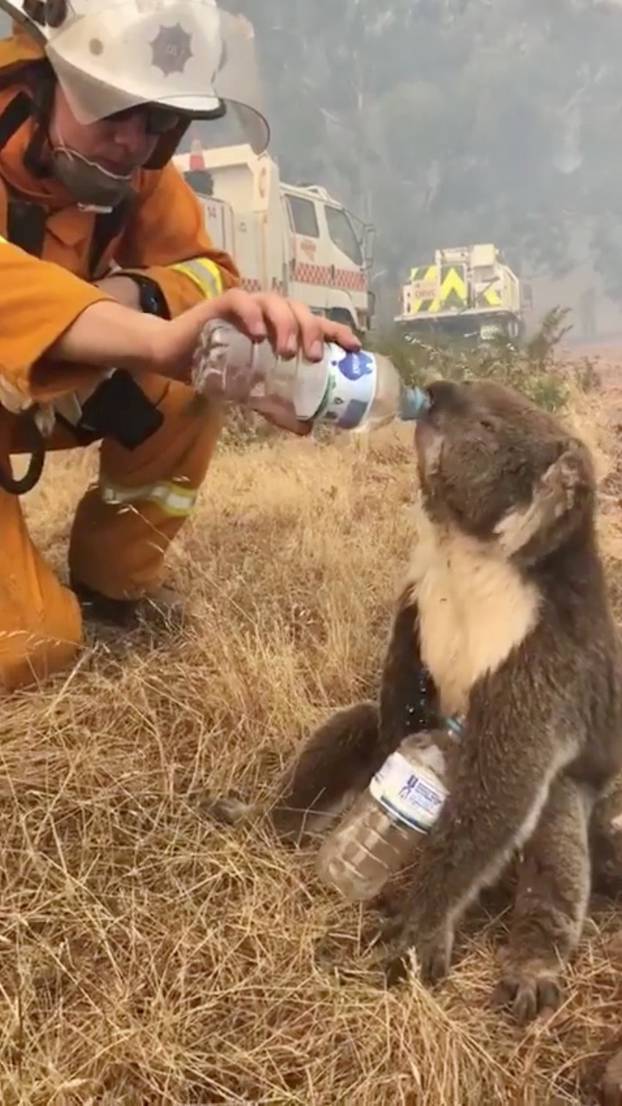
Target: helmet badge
[[171, 49]]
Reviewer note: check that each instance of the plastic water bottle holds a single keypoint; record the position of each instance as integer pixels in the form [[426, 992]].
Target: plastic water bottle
[[387, 824], [351, 391]]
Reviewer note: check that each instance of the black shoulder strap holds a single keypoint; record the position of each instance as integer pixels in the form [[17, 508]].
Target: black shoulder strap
[[108, 225], [25, 219], [14, 115], [25, 225], [25, 228]]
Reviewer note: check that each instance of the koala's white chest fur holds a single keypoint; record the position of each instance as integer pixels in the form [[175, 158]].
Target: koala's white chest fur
[[474, 609]]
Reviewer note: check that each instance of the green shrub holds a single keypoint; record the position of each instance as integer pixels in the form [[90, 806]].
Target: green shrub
[[533, 369]]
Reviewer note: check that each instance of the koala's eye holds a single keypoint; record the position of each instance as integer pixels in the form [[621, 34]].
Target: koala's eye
[[487, 424]]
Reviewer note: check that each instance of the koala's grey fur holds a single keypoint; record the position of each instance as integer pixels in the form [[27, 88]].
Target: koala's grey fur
[[505, 620]]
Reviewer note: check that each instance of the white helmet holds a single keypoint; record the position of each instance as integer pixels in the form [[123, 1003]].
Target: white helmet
[[186, 55]]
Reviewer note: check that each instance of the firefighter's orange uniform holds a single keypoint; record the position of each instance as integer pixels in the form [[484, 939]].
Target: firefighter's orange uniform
[[124, 525]]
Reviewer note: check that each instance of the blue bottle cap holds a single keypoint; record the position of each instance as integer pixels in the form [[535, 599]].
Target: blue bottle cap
[[414, 404], [454, 726]]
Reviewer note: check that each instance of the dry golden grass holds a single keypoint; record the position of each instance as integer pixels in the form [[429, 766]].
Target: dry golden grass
[[148, 956]]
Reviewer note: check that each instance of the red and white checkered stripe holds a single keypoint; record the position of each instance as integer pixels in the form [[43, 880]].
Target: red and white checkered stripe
[[304, 273], [350, 280], [252, 284]]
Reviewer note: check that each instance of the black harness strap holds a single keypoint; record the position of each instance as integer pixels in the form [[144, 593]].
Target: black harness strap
[[26, 225], [31, 477], [25, 228], [108, 224], [14, 115], [26, 220]]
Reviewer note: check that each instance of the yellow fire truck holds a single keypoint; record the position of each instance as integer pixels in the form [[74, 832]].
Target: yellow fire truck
[[466, 292]]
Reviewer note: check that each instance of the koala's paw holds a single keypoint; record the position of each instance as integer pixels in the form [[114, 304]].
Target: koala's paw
[[227, 810], [432, 951], [529, 990], [390, 904]]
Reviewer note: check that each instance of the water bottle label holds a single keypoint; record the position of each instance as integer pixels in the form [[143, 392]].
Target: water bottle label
[[350, 387], [413, 796]]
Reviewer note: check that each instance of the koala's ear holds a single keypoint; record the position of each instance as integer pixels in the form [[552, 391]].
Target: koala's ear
[[560, 500]]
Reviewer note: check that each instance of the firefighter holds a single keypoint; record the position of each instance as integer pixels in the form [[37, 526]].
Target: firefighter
[[107, 278]]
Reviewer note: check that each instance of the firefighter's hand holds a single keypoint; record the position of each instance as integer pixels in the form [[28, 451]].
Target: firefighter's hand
[[289, 325], [107, 334]]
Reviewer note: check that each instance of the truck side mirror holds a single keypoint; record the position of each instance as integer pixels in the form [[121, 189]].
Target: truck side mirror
[[369, 241]]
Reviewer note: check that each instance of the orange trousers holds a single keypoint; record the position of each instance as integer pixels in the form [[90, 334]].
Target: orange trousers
[[120, 534]]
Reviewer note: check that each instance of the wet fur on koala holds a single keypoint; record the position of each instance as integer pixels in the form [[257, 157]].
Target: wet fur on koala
[[504, 619]]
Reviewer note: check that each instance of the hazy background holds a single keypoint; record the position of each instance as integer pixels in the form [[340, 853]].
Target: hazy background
[[450, 121]]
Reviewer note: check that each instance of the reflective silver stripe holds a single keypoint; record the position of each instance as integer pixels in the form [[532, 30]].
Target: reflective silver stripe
[[174, 499], [204, 273]]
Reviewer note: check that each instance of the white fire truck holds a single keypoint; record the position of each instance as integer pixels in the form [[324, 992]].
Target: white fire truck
[[297, 240]]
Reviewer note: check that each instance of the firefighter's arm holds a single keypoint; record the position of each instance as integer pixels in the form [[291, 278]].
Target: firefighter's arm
[[166, 242], [39, 302]]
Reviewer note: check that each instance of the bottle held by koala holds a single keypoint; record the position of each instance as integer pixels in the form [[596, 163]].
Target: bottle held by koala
[[350, 391], [380, 834]]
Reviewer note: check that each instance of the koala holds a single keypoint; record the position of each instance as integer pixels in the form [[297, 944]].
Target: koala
[[504, 620], [606, 851]]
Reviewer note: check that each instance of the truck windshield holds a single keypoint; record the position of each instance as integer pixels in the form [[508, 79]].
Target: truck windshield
[[342, 234]]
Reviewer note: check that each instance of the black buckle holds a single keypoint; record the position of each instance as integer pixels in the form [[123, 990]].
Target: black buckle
[[118, 409]]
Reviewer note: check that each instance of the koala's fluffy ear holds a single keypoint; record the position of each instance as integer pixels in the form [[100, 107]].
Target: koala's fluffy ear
[[561, 498]]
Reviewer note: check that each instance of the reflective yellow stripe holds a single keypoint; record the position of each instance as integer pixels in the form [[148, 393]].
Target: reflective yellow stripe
[[489, 297], [432, 291], [453, 291], [204, 273], [423, 280], [174, 499]]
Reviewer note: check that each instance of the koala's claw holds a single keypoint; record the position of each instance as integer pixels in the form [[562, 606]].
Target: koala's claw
[[529, 992], [390, 929], [227, 810], [433, 956], [396, 969], [390, 904]]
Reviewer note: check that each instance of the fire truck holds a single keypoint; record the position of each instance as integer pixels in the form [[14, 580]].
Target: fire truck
[[294, 239], [466, 292]]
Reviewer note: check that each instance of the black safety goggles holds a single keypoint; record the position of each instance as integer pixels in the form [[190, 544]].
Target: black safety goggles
[[158, 120]]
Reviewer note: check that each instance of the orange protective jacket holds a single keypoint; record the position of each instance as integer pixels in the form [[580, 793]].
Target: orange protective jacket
[[40, 296]]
